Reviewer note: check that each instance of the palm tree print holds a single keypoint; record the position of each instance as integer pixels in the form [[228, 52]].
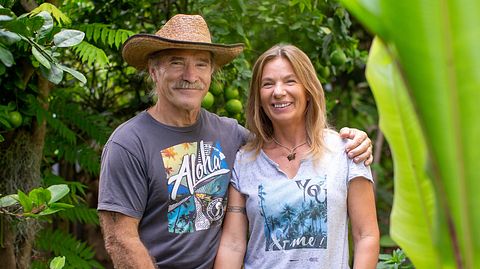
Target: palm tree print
[[300, 222]]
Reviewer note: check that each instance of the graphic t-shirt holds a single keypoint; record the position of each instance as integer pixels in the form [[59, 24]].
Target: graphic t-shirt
[[175, 181], [300, 222]]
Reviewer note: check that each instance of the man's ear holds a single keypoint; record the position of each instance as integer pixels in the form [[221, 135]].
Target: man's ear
[[152, 72]]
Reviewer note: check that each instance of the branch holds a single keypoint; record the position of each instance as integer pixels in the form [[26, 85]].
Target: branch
[[28, 5]]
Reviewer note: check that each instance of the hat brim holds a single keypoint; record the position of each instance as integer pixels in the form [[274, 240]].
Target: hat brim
[[139, 47]]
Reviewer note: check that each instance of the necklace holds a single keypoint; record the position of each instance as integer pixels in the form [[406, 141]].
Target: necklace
[[291, 155]]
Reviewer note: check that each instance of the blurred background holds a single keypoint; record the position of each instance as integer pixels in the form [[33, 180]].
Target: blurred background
[[77, 117]]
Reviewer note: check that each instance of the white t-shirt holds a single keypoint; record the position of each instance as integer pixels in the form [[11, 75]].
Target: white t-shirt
[[300, 222]]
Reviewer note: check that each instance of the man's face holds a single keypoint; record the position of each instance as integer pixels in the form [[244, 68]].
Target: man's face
[[182, 78]]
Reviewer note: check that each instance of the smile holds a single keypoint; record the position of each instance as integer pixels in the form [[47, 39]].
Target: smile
[[282, 105]]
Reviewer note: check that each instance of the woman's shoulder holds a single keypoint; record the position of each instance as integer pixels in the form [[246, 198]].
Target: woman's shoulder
[[332, 138], [244, 154]]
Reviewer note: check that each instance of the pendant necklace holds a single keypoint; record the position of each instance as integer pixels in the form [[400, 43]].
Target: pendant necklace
[[292, 154]]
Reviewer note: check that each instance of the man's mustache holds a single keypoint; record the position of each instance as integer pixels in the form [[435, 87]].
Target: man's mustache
[[188, 85]]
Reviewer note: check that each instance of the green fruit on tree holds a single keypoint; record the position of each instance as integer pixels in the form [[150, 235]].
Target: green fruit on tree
[[208, 100], [338, 57], [222, 112], [324, 71], [231, 93], [216, 88], [15, 118], [234, 106], [238, 116]]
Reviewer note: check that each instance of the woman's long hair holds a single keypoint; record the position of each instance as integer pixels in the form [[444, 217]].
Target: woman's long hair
[[258, 122]]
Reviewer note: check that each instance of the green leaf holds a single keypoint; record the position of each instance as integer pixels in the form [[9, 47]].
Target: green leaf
[[90, 54], [25, 201], [4, 121], [68, 38], [442, 73], [60, 206], [18, 26], [58, 192], [412, 185], [59, 16], [111, 37], [78, 254], [47, 24], [40, 58], [6, 56], [74, 73], [34, 23], [9, 200], [1, 138], [57, 263], [39, 196], [49, 211], [104, 35], [8, 38], [54, 74], [5, 18]]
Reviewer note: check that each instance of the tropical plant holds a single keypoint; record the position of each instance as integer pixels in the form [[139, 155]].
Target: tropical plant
[[39, 204], [396, 260], [424, 74], [45, 103]]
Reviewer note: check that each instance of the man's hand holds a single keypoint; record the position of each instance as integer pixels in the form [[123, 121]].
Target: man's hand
[[359, 147]]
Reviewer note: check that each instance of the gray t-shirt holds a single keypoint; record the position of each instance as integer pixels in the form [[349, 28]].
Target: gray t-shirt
[[300, 222], [175, 181]]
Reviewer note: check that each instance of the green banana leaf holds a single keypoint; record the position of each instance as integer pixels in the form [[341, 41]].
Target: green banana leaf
[[435, 45], [411, 226]]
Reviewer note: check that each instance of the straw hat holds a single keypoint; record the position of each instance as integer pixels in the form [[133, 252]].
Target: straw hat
[[180, 32]]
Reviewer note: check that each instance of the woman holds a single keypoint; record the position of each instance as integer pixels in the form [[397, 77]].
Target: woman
[[293, 186]]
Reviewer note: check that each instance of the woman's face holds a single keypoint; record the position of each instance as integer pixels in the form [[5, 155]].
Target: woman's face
[[282, 95]]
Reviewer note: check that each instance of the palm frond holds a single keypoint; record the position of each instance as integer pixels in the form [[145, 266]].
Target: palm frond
[[59, 16], [78, 254], [105, 33], [90, 54], [80, 213]]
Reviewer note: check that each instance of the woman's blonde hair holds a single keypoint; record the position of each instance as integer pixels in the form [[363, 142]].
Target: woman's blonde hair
[[315, 114]]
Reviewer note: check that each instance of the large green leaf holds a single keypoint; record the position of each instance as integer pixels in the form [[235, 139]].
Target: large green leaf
[[54, 74], [47, 25], [8, 38], [58, 192], [412, 226], [74, 73], [6, 56], [40, 58], [436, 46], [68, 38]]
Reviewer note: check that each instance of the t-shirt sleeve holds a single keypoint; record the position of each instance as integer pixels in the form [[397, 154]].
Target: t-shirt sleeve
[[234, 180], [358, 170], [243, 134], [123, 182]]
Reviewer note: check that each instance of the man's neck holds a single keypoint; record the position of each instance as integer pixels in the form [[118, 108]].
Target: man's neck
[[171, 117]]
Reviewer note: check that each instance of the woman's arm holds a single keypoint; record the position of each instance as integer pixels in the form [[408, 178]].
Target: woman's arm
[[363, 217], [233, 243]]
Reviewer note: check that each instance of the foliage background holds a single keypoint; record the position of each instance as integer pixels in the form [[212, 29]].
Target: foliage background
[[80, 116]]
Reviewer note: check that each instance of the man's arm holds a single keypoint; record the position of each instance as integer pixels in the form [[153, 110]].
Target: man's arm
[[359, 148], [122, 241]]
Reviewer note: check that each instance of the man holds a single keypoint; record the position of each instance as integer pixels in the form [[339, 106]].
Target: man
[[165, 172]]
